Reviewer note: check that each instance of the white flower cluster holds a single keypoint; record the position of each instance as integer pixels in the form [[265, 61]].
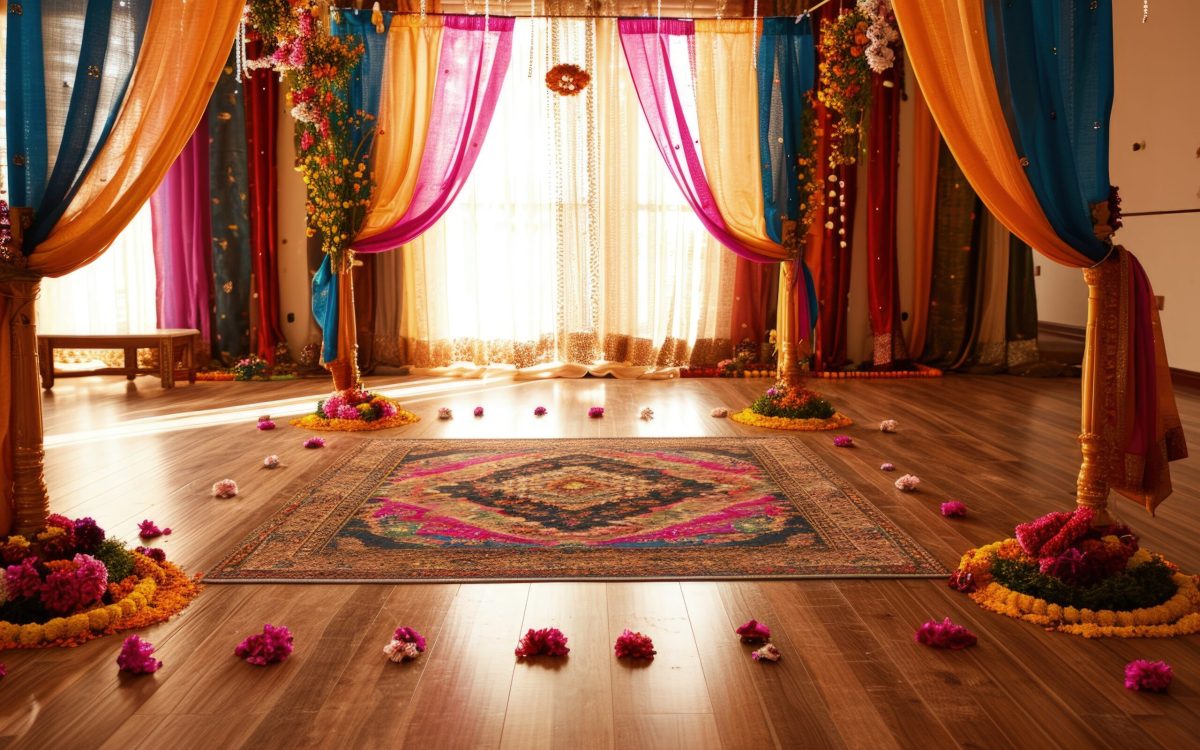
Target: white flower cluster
[[304, 112], [882, 33]]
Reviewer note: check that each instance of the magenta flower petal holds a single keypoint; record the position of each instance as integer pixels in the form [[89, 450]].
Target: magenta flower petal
[[136, 656], [843, 441], [631, 645], [954, 509], [1148, 676], [945, 634], [314, 442], [754, 632], [545, 641], [272, 645]]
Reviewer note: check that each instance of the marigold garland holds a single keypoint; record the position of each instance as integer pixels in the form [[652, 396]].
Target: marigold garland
[[844, 78], [155, 593], [748, 417], [1179, 615]]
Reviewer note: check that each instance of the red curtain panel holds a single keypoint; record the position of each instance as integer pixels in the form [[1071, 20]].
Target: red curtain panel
[[262, 114]]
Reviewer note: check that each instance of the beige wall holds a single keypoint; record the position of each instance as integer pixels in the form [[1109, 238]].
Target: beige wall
[[1157, 101], [294, 274]]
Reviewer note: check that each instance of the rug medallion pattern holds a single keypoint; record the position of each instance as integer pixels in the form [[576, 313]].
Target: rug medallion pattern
[[438, 510]]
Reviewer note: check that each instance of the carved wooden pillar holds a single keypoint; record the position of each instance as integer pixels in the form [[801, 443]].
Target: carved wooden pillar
[[31, 502], [1091, 488]]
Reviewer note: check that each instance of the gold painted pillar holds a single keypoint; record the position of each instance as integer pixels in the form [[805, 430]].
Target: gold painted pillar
[[1091, 488], [31, 502]]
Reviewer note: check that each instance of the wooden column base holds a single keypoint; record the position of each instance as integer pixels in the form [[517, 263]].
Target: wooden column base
[[31, 501]]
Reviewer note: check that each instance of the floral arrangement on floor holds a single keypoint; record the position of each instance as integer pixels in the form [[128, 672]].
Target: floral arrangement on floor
[[352, 411], [1061, 573], [70, 582], [786, 407], [253, 367]]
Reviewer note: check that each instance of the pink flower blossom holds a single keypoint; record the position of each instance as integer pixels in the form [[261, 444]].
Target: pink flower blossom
[[333, 405], [266, 424], [136, 656], [314, 442], [631, 645], [843, 441], [596, 412], [22, 580], [908, 483], [544, 641], [479, 411], [68, 591], [149, 530], [945, 634], [539, 411], [225, 488], [887, 466], [962, 580], [408, 635], [1049, 535], [272, 645], [954, 509], [154, 553], [767, 653], [386, 409], [1148, 676], [754, 632], [271, 461], [307, 140]]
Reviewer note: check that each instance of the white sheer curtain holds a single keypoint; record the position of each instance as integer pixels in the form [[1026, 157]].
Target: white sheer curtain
[[570, 248], [113, 294]]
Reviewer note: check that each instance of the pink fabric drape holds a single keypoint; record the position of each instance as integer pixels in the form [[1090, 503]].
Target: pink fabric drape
[[474, 59], [668, 101], [179, 213]]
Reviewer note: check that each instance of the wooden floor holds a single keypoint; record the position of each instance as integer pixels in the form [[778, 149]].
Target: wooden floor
[[850, 677]]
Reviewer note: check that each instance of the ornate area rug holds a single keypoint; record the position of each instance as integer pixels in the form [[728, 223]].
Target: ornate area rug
[[502, 510]]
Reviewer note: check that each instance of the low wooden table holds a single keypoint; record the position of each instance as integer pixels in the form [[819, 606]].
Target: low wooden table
[[174, 345]]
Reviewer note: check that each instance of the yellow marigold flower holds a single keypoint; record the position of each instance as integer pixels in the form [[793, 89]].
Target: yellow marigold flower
[[98, 618], [9, 632], [30, 634], [77, 624], [54, 629]]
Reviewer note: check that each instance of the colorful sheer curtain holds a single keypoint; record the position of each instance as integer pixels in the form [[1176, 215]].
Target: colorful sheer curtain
[[182, 240], [1022, 96], [182, 50], [667, 74]]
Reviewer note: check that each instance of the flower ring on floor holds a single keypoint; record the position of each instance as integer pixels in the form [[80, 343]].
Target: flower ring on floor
[[225, 488], [631, 645], [908, 483], [1148, 676], [748, 417], [136, 657], [354, 411], [767, 653]]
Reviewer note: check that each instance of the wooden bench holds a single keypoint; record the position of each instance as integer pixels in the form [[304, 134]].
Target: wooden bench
[[174, 345]]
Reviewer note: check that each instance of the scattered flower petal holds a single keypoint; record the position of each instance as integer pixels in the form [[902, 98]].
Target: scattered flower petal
[[3, 670], [545, 641], [479, 411], [271, 461], [647, 413], [908, 483], [445, 413], [266, 424], [843, 441], [539, 411], [596, 412], [945, 634], [954, 509], [272, 645], [149, 530], [225, 488], [408, 635], [1148, 676], [767, 653], [888, 425], [136, 656], [754, 632], [887, 466], [398, 651], [720, 412], [314, 442], [631, 645]]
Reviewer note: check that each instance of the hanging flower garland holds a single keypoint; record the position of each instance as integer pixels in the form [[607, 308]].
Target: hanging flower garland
[[332, 158], [566, 79], [882, 34], [844, 77]]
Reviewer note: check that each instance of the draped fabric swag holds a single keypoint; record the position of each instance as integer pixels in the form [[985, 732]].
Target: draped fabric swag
[[1022, 97], [109, 178]]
